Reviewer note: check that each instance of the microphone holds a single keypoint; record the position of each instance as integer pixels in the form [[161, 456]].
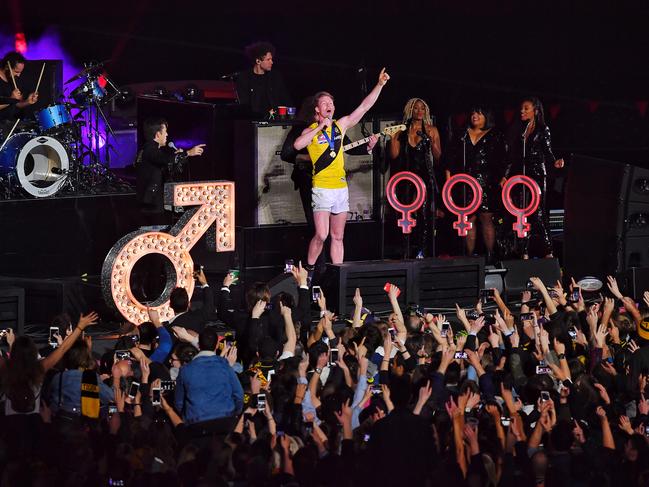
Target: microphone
[[232, 76], [526, 127], [463, 138], [171, 145]]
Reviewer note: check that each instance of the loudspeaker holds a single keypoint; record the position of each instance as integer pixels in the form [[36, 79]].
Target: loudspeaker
[[520, 271], [432, 283], [441, 283], [278, 201], [606, 218], [12, 309], [634, 282]]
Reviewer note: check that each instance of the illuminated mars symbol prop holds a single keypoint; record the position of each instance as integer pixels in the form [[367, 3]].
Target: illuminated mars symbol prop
[[215, 208], [407, 222], [462, 225], [521, 225]]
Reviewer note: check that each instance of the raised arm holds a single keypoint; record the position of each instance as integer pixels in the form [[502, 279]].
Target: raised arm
[[358, 307], [84, 321], [500, 303], [291, 338], [165, 342], [629, 303], [350, 120], [540, 287], [607, 434], [402, 331]]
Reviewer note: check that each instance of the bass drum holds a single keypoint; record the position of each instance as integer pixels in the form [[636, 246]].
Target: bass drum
[[39, 164]]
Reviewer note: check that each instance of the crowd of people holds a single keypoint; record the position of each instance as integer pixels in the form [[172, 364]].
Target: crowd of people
[[550, 391]]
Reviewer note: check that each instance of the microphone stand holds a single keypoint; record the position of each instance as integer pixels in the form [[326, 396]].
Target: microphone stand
[[381, 177], [233, 78], [430, 165], [524, 196], [464, 252]]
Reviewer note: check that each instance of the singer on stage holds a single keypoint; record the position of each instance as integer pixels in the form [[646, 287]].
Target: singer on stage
[[480, 152], [330, 195], [418, 150], [529, 151], [157, 161]]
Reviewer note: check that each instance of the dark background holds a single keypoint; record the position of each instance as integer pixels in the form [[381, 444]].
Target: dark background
[[586, 60]]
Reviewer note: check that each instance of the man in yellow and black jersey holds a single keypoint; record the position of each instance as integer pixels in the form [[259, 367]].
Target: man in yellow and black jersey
[[330, 197]]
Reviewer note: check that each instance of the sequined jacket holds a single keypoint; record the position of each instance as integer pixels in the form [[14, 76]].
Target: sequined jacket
[[538, 152]]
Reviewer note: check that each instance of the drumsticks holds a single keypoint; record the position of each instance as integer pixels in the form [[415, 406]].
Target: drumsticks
[[12, 75], [40, 76], [10, 134]]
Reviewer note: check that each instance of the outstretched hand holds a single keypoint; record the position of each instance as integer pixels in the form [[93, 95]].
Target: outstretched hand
[[87, 320], [197, 150]]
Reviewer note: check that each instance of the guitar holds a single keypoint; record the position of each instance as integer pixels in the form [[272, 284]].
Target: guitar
[[392, 130]]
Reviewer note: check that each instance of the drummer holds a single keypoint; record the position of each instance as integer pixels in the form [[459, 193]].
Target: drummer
[[16, 62]]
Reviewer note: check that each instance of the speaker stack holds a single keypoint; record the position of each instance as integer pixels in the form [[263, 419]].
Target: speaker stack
[[607, 222]]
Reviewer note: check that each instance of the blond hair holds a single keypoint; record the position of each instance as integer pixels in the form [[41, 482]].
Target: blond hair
[[409, 108]]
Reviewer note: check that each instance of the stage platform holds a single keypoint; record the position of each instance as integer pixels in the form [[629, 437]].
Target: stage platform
[[53, 249]]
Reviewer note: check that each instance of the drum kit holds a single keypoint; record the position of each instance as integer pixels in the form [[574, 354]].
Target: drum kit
[[60, 150]]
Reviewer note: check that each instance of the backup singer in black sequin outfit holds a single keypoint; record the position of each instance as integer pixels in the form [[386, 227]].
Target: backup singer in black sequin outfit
[[412, 152], [480, 152], [529, 152]]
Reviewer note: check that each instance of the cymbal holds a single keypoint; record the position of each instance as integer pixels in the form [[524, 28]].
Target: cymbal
[[5, 100], [91, 69]]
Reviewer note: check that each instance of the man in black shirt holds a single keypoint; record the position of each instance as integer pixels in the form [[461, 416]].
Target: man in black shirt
[[260, 88], [155, 162], [16, 62]]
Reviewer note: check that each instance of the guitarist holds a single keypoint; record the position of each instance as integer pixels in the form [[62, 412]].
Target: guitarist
[[330, 195]]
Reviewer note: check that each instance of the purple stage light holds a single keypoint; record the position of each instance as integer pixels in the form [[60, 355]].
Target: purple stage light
[[47, 46]]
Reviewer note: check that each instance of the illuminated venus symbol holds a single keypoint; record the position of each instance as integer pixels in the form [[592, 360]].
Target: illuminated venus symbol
[[462, 225], [215, 206], [407, 222], [521, 225]]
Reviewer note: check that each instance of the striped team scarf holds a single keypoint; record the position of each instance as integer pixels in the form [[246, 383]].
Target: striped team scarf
[[89, 395]]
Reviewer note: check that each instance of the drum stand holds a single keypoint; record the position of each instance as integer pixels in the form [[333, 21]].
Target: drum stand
[[98, 167]]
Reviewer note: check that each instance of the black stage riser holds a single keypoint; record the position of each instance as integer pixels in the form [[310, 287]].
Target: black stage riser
[[64, 236], [519, 273], [46, 298], [427, 282], [70, 236]]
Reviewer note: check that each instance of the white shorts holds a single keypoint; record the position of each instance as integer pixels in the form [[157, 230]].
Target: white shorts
[[332, 200]]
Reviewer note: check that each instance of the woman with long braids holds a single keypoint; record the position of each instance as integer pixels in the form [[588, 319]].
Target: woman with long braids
[[529, 151], [480, 152], [417, 150]]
